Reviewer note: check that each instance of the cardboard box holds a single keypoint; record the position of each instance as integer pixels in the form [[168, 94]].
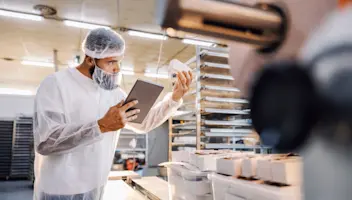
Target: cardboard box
[[287, 171], [264, 169], [230, 166]]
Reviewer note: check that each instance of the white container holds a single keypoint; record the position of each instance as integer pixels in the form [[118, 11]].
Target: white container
[[249, 167], [264, 169], [180, 156], [230, 166], [226, 188], [185, 182], [287, 171], [206, 160]]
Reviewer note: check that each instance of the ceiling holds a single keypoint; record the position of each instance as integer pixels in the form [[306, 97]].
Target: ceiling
[[24, 39]]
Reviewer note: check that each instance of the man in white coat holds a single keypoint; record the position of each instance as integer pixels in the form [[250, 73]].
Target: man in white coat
[[78, 115]]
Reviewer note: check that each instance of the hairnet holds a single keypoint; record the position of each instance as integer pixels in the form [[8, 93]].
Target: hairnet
[[103, 43]]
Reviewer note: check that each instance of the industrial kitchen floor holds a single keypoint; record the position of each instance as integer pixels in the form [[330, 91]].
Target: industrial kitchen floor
[[16, 190]]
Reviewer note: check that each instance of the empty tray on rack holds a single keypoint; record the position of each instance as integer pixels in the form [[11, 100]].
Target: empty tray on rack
[[239, 122], [212, 56], [217, 76], [225, 100], [224, 111], [231, 146]]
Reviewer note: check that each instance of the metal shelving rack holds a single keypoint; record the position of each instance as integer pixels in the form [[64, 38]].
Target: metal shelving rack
[[214, 115], [6, 134], [22, 158], [142, 143]]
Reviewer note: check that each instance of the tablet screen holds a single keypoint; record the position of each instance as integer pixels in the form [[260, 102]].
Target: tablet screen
[[146, 93]]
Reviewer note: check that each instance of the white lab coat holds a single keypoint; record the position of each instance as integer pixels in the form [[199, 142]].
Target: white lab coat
[[73, 158]]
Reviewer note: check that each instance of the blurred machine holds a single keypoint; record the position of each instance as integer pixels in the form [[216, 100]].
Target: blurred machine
[[259, 32]]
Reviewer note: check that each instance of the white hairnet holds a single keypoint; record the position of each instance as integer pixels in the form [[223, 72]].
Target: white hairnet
[[103, 43]]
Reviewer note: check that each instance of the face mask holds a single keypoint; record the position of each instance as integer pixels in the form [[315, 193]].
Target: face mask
[[105, 80]]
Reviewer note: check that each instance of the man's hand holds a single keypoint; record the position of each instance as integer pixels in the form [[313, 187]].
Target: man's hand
[[184, 80], [117, 117]]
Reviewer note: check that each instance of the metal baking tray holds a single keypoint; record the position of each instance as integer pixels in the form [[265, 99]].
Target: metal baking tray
[[215, 65], [234, 134], [238, 122], [183, 144], [224, 111], [212, 56], [232, 146], [225, 100], [227, 130], [219, 88], [185, 134], [217, 76]]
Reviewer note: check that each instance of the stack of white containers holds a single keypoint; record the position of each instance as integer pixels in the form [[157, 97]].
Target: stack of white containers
[[188, 177], [257, 177]]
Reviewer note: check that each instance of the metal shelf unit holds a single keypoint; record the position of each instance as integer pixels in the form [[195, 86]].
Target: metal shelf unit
[[6, 137], [213, 113], [22, 157], [126, 136]]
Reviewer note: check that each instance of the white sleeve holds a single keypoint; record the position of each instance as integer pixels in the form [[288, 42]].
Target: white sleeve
[[157, 115], [52, 133]]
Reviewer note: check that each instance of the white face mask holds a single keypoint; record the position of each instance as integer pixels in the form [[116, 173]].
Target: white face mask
[[105, 80]]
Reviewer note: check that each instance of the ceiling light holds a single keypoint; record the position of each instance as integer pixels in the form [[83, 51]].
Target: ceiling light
[[11, 91], [83, 25], [127, 69], [127, 73], [197, 42], [37, 64], [20, 15], [153, 75], [147, 35]]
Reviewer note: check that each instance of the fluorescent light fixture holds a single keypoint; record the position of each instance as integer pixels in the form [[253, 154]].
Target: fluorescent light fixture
[[153, 75], [37, 64], [147, 35], [21, 15], [197, 42], [83, 25], [12, 91], [127, 69], [127, 73]]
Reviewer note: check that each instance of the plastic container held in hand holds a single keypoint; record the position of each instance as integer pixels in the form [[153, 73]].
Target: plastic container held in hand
[[187, 183], [226, 188], [177, 66]]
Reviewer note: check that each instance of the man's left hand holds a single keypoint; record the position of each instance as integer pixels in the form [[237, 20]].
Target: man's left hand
[[184, 80]]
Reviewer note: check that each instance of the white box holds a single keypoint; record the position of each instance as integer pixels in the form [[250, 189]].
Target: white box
[[180, 156], [249, 167], [229, 166], [206, 160], [264, 169], [287, 171]]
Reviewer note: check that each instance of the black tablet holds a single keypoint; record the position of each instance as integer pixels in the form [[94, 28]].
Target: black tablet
[[146, 93]]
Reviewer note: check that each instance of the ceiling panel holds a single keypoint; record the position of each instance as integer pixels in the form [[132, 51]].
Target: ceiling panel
[[22, 39]]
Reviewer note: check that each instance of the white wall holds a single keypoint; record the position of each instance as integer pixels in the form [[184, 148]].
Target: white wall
[[12, 105]]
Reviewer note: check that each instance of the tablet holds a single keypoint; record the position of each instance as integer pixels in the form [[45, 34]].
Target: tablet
[[146, 93]]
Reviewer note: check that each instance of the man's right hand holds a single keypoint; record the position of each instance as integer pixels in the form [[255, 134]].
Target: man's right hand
[[117, 117]]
